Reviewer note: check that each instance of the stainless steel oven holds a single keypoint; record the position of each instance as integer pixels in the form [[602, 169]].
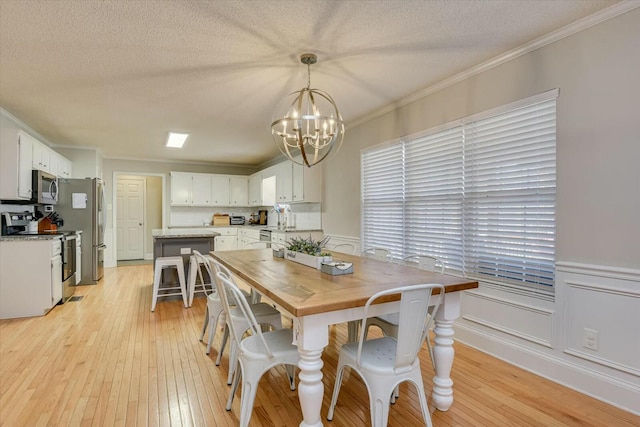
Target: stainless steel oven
[[68, 266]]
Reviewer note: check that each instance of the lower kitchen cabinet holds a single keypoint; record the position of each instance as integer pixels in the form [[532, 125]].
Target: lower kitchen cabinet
[[30, 277]]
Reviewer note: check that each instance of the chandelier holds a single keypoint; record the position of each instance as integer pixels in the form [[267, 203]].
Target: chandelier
[[307, 125]]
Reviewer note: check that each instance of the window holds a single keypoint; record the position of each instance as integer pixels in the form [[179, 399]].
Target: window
[[479, 194]]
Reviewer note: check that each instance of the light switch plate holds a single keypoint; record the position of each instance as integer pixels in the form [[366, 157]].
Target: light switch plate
[[185, 251]]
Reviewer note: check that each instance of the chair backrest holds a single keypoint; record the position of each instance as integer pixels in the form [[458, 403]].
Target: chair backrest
[[423, 262], [381, 254], [346, 248], [201, 259], [232, 296], [413, 325]]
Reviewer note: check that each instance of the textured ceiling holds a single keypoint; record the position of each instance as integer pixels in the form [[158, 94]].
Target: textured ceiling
[[120, 74]]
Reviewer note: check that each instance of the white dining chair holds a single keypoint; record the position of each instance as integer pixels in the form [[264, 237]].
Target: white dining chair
[[265, 314], [347, 248], [384, 363], [214, 305], [257, 353], [381, 254], [389, 322], [423, 262]]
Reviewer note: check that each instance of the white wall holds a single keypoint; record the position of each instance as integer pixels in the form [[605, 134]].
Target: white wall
[[598, 206]]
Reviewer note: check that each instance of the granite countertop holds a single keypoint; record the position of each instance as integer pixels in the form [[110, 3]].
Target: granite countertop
[[22, 238], [174, 233]]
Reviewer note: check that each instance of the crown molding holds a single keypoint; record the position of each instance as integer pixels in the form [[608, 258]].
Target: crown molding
[[552, 37], [185, 162]]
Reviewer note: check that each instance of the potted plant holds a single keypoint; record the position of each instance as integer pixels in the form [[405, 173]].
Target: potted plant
[[306, 251]]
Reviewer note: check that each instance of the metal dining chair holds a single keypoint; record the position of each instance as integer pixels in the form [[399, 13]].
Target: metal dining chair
[[347, 248], [257, 353], [381, 254], [384, 363]]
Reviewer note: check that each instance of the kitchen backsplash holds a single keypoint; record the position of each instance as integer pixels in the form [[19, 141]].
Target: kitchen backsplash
[[307, 216]]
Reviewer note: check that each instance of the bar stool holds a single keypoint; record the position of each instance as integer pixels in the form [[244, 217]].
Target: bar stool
[[168, 262], [194, 273]]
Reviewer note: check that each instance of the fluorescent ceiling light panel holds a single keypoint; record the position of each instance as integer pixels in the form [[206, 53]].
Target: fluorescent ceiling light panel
[[176, 140]]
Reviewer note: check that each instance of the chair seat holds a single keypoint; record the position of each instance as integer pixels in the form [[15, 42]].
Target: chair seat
[[260, 309], [377, 355], [279, 341]]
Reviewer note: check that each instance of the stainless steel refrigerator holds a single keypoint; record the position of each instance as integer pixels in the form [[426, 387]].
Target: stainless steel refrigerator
[[81, 206]]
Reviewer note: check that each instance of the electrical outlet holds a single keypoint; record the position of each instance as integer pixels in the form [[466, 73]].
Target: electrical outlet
[[185, 251], [590, 339]]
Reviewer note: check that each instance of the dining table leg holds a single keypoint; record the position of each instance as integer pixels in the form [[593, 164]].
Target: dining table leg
[[311, 340], [443, 351]]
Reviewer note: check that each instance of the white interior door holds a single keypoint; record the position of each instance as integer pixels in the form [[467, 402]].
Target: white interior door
[[130, 218]]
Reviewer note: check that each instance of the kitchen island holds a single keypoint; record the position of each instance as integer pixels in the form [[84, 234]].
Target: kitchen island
[[182, 242]]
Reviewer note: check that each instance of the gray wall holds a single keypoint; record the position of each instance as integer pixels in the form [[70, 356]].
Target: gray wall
[[597, 72], [598, 209]]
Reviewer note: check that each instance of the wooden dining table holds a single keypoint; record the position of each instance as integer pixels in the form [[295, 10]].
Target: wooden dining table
[[316, 300]]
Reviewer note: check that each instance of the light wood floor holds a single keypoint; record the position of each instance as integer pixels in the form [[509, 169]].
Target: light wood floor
[[107, 360]]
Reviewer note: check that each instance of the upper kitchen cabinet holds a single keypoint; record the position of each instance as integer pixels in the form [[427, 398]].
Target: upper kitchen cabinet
[[15, 161], [307, 183], [284, 182], [238, 191], [45, 159], [255, 189], [220, 188], [204, 189], [64, 166], [181, 183], [201, 189], [41, 159]]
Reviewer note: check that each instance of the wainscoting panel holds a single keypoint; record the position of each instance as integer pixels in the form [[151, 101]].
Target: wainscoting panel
[[607, 307], [523, 321], [548, 337]]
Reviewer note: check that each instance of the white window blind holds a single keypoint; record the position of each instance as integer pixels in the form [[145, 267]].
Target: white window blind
[[433, 197], [479, 195], [382, 189], [510, 188]]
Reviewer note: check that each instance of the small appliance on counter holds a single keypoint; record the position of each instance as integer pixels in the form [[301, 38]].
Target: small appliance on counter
[[236, 220], [16, 222]]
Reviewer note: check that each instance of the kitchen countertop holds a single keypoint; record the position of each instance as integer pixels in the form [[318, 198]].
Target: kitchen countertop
[[21, 238], [175, 233], [272, 228], [42, 236]]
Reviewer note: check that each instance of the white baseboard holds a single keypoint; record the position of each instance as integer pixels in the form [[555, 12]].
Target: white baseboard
[[148, 256], [614, 391]]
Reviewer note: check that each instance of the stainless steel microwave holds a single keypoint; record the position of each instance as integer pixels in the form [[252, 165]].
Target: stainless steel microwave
[[45, 188]]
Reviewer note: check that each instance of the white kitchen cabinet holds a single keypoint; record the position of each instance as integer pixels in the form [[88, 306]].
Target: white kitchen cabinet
[[255, 189], [29, 288], [201, 189], [238, 191], [42, 157], [225, 243], [15, 165], [228, 239], [307, 183], [220, 190], [64, 167], [284, 182], [181, 188], [246, 236]]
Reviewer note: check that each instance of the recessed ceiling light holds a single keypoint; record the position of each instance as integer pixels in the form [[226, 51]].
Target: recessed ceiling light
[[176, 140]]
